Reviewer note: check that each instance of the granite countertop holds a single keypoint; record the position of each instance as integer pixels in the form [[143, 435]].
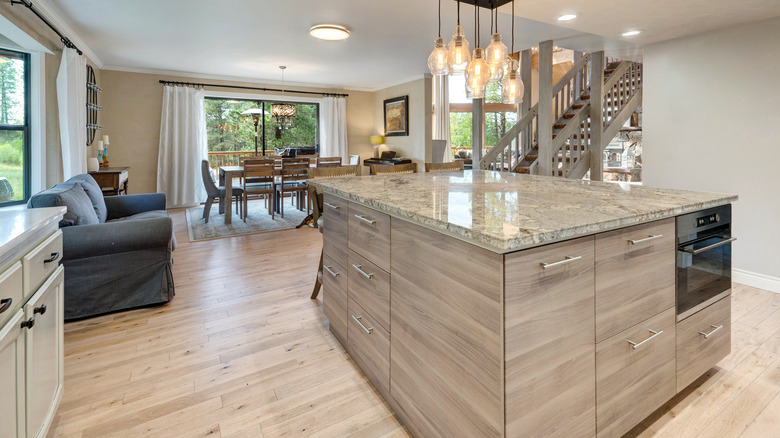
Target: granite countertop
[[18, 223], [505, 212]]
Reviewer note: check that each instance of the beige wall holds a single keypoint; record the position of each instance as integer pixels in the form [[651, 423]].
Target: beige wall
[[710, 124], [417, 145], [132, 105]]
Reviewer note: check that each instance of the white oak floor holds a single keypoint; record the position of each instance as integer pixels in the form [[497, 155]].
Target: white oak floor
[[243, 352]]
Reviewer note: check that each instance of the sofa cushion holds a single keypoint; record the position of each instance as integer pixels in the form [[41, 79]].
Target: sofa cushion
[[48, 197], [148, 215], [80, 211], [95, 194]]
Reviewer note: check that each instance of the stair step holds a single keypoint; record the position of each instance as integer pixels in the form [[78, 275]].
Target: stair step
[[577, 105], [523, 169], [569, 115], [559, 125], [585, 96]]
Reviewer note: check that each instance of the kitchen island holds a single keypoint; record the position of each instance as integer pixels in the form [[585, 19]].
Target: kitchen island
[[495, 304]]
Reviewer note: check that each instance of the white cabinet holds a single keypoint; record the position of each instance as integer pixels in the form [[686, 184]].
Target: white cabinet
[[31, 321], [43, 344], [12, 377]]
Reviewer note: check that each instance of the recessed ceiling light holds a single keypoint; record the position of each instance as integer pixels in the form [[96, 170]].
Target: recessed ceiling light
[[631, 33], [567, 17], [330, 32]]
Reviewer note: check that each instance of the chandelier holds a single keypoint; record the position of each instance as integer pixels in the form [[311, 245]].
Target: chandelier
[[283, 113]]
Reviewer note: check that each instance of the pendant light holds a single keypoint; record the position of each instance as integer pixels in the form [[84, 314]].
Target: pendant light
[[459, 55], [512, 87], [438, 61], [283, 112], [478, 70], [496, 54]]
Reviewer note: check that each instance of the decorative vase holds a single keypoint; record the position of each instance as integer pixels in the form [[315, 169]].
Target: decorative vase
[[93, 165], [105, 157]]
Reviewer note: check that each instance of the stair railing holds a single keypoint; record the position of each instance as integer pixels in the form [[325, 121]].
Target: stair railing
[[569, 87], [619, 88], [513, 146]]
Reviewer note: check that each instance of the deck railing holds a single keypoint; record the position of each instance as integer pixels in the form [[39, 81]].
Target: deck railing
[[229, 158]]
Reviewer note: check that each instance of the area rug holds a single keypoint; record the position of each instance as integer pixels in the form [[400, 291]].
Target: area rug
[[258, 221]]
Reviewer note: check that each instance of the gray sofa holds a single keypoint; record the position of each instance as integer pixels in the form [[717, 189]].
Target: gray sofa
[[117, 250]]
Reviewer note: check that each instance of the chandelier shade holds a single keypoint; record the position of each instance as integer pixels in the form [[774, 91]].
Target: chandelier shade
[[496, 56], [477, 75], [459, 53], [512, 87], [438, 61], [285, 110]]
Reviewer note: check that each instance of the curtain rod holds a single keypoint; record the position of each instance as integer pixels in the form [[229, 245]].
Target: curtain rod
[[239, 87], [68, 43]]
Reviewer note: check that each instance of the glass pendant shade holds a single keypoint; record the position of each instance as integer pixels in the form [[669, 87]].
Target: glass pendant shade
[[459, 55], [496, 55], [438, 61], [477, 75], [512, 88]]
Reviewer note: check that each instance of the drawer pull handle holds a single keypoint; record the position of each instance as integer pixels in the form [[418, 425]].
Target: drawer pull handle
[[565, 261], [333, 206], [6, 303], [40, 310], [646, 239], [362, 272], [330, 271], [30, 323], [367, 329], [715, 329], [54, 256], [365, 219], [656, 334]]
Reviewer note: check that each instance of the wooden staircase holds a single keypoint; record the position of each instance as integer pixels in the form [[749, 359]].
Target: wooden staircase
[[572, 137]]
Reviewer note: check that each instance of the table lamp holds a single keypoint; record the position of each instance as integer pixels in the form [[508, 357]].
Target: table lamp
[[377, 140]]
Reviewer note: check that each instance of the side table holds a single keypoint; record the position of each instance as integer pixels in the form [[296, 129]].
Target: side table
[[112, 180]]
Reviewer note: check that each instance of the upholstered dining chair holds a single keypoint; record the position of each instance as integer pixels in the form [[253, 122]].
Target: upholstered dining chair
[[453, 166], [381, 169], [329, 162], [317, 206], [292, 179], [259, 181], [217, 192]]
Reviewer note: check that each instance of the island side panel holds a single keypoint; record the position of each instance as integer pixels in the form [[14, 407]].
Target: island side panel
[[549, 344], [446, 348]]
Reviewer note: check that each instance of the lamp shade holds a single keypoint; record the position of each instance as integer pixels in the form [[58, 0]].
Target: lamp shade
[[377, 139]]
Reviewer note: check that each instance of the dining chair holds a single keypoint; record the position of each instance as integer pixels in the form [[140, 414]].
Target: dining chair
[[259, 181], [217, 192], [329, 162], [318, 206], [379, 169], [293, 176], [354, 159], [452, 166], [312, 159]]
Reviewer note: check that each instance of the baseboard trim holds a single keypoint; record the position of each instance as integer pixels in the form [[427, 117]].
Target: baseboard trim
[[754, 279]]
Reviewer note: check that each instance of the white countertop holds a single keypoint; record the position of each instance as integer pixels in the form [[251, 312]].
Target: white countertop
[[18, 223], [506, 212]]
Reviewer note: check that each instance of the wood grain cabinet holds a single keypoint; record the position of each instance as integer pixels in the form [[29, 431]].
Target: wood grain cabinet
[[369, 344], [334, 224], [703, 339], [334, 301], [369, 235]]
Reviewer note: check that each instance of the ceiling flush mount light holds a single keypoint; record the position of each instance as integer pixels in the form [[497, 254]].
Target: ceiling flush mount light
[[438, 61], [459, 55], [329, 32], [567, 17], [630, 33]]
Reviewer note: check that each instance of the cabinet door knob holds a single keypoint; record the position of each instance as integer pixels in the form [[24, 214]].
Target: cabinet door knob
[[40, 310], [30, 323], [6, 304], [54, 256]]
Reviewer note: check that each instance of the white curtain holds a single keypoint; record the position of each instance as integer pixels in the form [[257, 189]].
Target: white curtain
[[182, 146], [72, 104], [333, 112], [441, 114]]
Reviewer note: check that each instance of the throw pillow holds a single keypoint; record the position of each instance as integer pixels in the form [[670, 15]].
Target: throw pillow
[[80, 211], [95, 195]]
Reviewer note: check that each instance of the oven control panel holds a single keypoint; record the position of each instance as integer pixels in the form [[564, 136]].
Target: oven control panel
[[707, 220]]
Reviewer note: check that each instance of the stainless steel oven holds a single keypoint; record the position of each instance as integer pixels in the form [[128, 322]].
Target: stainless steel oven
[[703, 259]]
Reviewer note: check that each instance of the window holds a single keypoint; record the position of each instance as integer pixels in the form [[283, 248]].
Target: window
[[499, 117], [14, 127], [229, 130]]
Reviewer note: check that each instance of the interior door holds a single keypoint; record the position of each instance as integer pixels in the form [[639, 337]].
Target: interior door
[[44, 351], [12, 377]]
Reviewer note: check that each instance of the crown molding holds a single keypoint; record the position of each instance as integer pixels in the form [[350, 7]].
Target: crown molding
[[51, 13]]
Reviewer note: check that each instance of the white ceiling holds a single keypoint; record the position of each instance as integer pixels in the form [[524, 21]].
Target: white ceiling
[[390, 41]]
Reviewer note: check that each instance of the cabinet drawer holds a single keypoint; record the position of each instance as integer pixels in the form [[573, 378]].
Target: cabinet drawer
[[334, 300], [10, 291], [632, 381], [369, 235], [703, 339], [41, 261], [369, 286], [635, 270], [369, 345], [334, 223]]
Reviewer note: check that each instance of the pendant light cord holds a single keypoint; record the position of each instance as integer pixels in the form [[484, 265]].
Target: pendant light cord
[[496, 20], [458, 12], [439, 18], [491, 21], [513, 28]]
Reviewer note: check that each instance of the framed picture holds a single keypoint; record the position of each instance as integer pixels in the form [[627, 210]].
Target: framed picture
[[397, 116]]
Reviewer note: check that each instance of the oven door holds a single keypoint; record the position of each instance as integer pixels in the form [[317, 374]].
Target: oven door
[[703, 273]]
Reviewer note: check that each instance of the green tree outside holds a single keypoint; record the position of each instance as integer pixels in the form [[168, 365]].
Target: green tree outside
[[11, 113]]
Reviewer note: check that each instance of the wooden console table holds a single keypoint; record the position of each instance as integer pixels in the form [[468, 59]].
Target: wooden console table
[[112, 180]]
